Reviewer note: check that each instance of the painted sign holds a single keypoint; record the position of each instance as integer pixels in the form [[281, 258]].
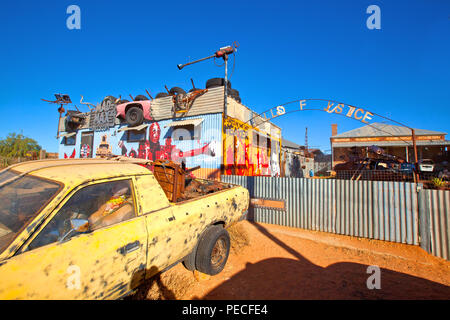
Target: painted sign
[[301, 105], [248, 152], [103, 117]]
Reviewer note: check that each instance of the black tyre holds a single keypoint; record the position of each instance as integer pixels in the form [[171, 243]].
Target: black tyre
[[233, 92], [189, 260], [134, 116], [237, 98], [161, 95], [140, 97], [177, 90], [217, 82], [213, 250], [122, 101], [70, 126], [108, 101]]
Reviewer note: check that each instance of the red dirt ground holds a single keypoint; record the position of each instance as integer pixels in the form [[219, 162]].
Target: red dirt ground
[[275, 262]]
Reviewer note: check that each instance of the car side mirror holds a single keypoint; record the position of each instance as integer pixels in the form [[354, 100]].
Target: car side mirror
[[77, 226]]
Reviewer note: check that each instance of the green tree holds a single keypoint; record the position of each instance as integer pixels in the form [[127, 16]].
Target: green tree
[[17, 145]]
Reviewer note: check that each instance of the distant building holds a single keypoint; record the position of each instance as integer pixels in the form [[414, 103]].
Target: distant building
[[295, 161], [395, 140]]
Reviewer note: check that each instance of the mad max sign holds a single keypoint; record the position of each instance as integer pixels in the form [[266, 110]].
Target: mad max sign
[[103, 117]]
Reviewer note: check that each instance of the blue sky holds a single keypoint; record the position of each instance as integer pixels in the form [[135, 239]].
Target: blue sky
[[288, 50]]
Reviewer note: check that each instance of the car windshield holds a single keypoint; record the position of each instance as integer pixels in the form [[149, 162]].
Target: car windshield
[[427, 161], [20, 201]]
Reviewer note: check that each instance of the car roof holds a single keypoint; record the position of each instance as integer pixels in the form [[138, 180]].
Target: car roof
[[76, 171]]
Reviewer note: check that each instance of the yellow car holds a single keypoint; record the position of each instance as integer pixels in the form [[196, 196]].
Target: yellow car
[[96, 229]]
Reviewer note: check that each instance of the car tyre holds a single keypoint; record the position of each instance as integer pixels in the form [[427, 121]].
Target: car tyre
[[134, 116], [217, 82], [213, 250]]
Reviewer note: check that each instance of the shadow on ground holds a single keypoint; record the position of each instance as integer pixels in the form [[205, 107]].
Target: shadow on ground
[[282, 278]]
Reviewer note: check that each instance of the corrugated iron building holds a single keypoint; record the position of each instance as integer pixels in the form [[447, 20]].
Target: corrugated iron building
[[239, 143], [395, 140]]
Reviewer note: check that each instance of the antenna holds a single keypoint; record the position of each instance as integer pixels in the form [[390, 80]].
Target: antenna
[[221, 53]]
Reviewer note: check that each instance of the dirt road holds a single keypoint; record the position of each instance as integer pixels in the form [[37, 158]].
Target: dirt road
[[275, 262]]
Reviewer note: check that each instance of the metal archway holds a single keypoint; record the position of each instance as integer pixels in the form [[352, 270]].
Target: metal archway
[[332, 106]]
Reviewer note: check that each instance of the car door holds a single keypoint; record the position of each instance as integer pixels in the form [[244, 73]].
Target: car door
[[105, 262]]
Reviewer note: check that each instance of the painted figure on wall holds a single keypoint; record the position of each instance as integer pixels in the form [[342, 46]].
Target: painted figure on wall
[[151, 149]]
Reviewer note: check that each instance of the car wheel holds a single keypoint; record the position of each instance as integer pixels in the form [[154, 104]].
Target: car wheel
[[134, 116], [213, 250]]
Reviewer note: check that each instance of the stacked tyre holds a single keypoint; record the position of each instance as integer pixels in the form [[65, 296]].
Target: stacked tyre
[[220, 82]]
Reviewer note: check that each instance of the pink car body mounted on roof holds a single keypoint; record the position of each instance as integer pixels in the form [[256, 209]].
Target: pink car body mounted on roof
[[145, 105]]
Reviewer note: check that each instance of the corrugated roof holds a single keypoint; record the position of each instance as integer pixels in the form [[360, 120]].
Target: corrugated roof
[[391, 143], [289, 144], [378, 129]]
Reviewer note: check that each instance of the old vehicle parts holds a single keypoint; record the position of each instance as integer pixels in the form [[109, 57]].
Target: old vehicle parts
[[134, 112], [61, 99], [74, 119]]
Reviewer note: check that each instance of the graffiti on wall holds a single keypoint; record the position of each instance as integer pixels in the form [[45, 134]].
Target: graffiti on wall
[[248, 152], [153, 149], [72, 155], [104, 148]]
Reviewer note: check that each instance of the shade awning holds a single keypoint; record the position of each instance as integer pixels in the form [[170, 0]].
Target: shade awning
[[194, 122], [66, 135], [142, 126]]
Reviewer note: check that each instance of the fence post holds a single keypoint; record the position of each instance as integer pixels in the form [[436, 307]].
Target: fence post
[[424, 220]]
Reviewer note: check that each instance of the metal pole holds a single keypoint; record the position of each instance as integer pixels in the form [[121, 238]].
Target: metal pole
[[416, 175], [225, 58]]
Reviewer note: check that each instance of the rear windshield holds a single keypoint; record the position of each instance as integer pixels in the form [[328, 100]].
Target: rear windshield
[[427, 162], [21, 200]]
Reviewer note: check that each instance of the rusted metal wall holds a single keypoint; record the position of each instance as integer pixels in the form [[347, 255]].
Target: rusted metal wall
[[435, 222], [371, 209]]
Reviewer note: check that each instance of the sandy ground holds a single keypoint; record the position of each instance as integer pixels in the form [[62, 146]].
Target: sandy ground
[[275, 262]]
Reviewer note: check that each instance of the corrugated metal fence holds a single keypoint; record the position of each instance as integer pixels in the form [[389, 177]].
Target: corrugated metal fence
[[382, 210], [435, 222]]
